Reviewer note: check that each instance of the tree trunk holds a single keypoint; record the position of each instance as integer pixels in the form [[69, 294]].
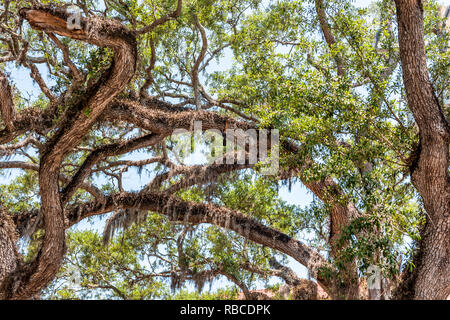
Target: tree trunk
[[73, 126], [429, 163], [8, 252]]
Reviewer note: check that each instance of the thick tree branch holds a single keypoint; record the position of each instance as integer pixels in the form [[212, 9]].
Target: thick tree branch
[[202, 174], [430, 161], [102, 152], [9, 257], [196, 213], [329, 38], [30, 119], [72, 128], [65, 50], [7, 107]]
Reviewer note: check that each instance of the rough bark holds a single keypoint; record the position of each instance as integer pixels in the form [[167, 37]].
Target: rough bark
[[346, 285], [103, 152], [29, 280], [98, 103], [7, 108], [8, 251], [429, 162], [196, 213]]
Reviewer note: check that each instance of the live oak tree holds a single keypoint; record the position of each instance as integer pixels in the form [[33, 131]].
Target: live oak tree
[[360, 97]]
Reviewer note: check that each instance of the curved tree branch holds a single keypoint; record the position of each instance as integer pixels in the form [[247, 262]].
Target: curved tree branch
[[103, 152], [95, 192], [430, 161], [72, 128], [196, 213], [329, 38], [175, 14], [7, 107]]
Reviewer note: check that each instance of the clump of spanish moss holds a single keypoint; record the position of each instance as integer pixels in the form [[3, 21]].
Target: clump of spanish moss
[[199, 279], [122, 219]]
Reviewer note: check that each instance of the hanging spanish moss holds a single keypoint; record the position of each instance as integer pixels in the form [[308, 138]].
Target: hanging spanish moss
[[122, 219]]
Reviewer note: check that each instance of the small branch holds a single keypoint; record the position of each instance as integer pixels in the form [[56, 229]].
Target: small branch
[[36, 75], [175, 14], [329, 38], [10, 148], [77, 75]]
